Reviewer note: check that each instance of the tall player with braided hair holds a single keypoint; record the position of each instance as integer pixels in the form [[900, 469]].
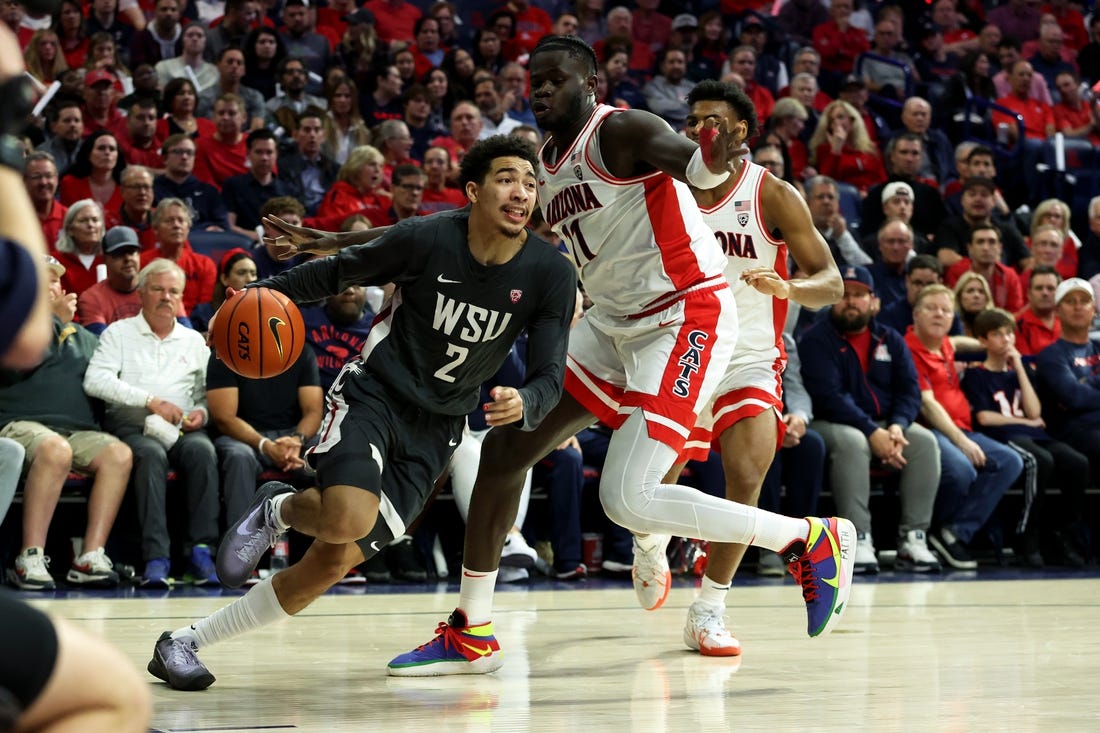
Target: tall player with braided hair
[[646, 358]]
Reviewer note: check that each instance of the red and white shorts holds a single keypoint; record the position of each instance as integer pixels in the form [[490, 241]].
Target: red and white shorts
[[752, 384], [667, 363]]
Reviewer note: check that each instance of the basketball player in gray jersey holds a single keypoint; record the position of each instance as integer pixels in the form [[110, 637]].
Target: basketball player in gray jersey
[[468, 282]]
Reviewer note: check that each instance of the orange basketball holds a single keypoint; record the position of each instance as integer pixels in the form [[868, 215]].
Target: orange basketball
[[258, 333]]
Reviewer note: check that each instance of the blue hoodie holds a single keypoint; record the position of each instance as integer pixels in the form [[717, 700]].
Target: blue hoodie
[[843, 394]]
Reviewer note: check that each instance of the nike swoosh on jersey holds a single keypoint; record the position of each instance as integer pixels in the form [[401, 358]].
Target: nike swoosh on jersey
[[453, 443], [478, 650], [374, 546], [448, 281]]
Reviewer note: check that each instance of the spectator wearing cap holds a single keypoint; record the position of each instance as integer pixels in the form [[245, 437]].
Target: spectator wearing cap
[[953, 234], [1066, 372], [853, 90], [40, 180], [46, 410], [161, 39], [1037, 325], [839, 43], [933, 62], [975, 470], [302, 42], [115, 297], [705, 53], [897, 203], [666, 93], [394, 19], [895, 247], [903, 159], [770, 72], [984, 251], [866, 399], [100, 112]]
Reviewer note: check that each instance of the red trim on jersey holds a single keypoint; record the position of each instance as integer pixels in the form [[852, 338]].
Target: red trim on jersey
[[680, 262], [741, 174], [714, 284], [597, 116], [594, 393], [759, 201], [702, 441]]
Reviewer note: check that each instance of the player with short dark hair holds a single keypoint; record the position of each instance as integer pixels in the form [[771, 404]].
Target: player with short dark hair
[[468, 282]]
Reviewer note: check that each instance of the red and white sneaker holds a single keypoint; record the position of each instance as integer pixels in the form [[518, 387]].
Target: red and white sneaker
[[705, 632]]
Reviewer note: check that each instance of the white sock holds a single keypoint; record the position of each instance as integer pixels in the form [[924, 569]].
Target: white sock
[[776, 532], [277, 504], [258, 607], [475, 595], [649, 541], [712, 593]]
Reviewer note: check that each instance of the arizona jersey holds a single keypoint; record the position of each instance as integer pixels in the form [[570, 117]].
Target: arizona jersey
[[638, 255], [738, 224], [451, 321]]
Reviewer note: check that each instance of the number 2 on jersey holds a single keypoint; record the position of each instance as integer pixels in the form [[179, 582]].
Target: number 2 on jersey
[[459, 353]]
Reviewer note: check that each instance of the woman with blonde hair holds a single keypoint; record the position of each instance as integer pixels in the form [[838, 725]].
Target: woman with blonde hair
[[43, 57], [358, 190], [1055, 212], [344, 126], [841, 148], [972, 296], [79, 245]]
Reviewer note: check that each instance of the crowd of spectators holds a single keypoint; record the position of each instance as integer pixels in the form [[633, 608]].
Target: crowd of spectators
[[929, 140]]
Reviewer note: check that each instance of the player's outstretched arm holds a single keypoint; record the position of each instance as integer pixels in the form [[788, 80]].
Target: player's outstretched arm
[[786, 210], [635, 142], [294, 240]]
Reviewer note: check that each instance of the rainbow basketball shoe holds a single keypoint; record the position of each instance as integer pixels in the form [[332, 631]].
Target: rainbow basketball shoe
[[823, 566], [457, 649]]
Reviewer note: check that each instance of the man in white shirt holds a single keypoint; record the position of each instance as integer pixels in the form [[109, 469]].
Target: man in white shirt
[[190, 64], [151, 372]]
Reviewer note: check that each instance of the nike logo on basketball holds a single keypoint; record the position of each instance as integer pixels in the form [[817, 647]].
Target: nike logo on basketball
[[273, 323], [478, 650], [448, 281]]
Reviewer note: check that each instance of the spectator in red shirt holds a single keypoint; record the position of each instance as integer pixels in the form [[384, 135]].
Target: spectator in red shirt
[[427, 52], [649, 26], [394, 19], [95, 172], [1045, 243], [743, 61], [136, 211], [225, 153], [984, 258], [1070, 21], [438, 196], [1038, 116], [172, 223], [79, 246], [839, 43], [1073, 116], [532, 23], [358, 190], [841, 148], [1055, 213], [1037, 325], [100, 95], [137, 137], [40, 179]]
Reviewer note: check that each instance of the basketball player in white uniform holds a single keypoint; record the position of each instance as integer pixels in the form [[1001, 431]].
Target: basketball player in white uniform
[[646, 358], [755, 217]]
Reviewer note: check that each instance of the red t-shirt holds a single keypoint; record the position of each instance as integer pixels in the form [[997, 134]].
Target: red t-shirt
[[860, 169], [394, 24], [937, 373], [215, 160], [77, 277], [343, 200], [1008, 293], [74, 189], [1037, 115], [839, 49], [861, 344], [51, 223], [200, 271], [448, 198], [1032, 335], [1066, 118]]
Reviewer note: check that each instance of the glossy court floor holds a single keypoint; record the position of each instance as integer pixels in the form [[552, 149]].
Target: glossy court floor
[[988, 652]]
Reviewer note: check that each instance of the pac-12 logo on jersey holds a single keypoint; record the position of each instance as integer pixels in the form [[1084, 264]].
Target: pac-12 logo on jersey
[[690, 362], [515, 295], [743, 209]]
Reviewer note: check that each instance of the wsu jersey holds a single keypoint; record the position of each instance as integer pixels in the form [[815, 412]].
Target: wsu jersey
[[451, 321], [638, 255], [738, 224]]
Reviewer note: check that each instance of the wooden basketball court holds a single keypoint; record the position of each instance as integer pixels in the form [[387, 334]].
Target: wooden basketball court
[[950, 655]]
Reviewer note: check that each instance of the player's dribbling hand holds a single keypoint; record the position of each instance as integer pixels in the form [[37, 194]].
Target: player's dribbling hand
[[293, 240], [506, 407]]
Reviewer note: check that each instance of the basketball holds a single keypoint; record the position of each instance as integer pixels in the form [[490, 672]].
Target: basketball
[[258, 333]]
